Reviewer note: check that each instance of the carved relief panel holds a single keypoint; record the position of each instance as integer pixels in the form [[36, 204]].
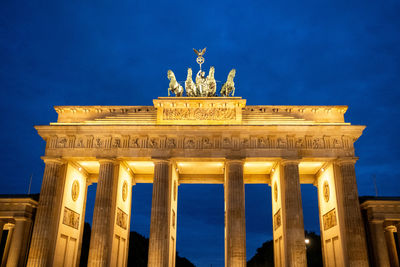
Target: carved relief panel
[[202, 142]]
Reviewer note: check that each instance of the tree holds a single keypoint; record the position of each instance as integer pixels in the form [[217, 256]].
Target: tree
[[265, 254]]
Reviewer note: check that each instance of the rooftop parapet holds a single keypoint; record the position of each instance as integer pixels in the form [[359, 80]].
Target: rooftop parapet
[[201, 111]]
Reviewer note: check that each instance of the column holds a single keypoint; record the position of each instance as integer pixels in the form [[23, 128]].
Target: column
[[398, 235], [104, 214], [19, 242], [119, 251], [235, 222], [391, 246], [7, 247], [47, 215], [378, 243], [163, 216], [2, 223], [292, 214], [79, 252], [349, 213]]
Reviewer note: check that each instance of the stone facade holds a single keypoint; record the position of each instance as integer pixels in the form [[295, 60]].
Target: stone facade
[[17, 214], [382, 223], [196, 140]]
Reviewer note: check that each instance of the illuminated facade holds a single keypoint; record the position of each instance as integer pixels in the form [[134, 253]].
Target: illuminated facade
[[17, 214], [382, 220], [214, 140]]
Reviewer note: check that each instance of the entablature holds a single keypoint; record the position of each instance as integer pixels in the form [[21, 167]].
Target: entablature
[[194, 170], [382, 209], [199, 127], [177, 140]]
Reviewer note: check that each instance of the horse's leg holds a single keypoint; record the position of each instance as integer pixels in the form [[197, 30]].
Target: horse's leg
[[233, 92]]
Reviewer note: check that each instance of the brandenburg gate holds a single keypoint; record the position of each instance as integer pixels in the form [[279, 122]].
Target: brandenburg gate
[[200, 139]]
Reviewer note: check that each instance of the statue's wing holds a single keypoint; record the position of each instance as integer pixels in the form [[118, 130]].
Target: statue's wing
[[197, 52], [203, 51]]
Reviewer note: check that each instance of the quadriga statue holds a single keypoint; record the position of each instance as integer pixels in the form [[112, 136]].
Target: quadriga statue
[[211, 83], [174, 86], [201, 83], [190, 86], [229, 86]]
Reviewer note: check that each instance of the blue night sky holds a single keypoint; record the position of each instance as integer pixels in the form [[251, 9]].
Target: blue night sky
[[118, 53]]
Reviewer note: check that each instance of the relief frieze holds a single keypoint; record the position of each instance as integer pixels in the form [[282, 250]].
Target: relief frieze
[[201, 142], [171, 143], [62, 142], [329, 219], [277, 219], [134, 142], [122, 219], [199, 114], [116, 142], [190, 143], [79, 143], [71, 218]]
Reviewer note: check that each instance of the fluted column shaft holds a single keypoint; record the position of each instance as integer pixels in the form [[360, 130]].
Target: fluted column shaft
[[2, 223], [391, 246], [398, 236], [19, 243], [47, 215], [7, 247], [295, 248], [103, 215], [353, 233], [235, 214], [380, 252], [160, 212]]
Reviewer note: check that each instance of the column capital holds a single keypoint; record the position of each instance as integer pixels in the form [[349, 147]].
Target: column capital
[[235, 159], [287, 161], [346, 160], [58, 160], [161, 160], [376, 221], [390, 228], [20, 218], [107, 160], [10, 225]]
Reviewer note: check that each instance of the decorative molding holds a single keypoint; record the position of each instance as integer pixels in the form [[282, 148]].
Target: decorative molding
[[329, 219], [124, 191], [275, 192], [200, 110], [75, 190], [213, 114], [277, 219], [326, 191], [173, 218], [287, 142], [71, 218], [122, 219]]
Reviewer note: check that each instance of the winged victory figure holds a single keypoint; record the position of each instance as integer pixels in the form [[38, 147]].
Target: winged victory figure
[[201, 52]]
